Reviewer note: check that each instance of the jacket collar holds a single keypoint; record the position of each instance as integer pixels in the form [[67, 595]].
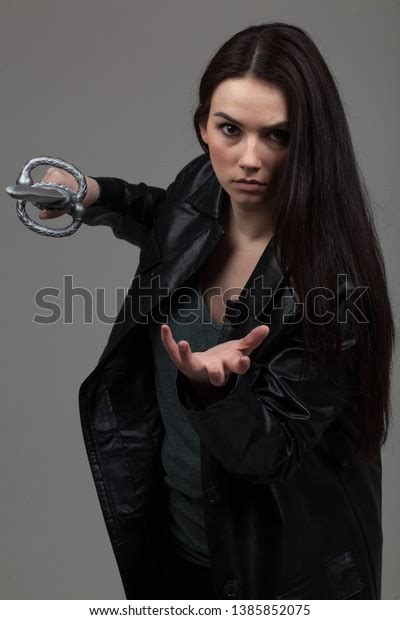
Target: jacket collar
[[171, 269], [209, 197]]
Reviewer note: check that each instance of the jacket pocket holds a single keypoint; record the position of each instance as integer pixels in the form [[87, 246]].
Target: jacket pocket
[[337, 579]]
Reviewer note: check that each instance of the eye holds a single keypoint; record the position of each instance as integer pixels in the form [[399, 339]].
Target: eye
[[283, 136], [222, 126]]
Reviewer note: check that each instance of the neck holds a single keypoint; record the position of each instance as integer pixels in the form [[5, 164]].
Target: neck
[[246, 225]]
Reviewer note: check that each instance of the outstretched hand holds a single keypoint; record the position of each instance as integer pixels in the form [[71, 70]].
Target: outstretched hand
[[216, 364]]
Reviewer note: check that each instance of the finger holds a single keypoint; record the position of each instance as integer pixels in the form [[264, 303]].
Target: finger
[[242, 365], [47, 214], [237, 363], [216, 373], [187, 357], [249, 342], [169, 343], [185, 351], [48, 174], [257, 333], [192, 361]]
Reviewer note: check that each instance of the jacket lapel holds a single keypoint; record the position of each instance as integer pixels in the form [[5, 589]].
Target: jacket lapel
[[165, 263], [254, 302]]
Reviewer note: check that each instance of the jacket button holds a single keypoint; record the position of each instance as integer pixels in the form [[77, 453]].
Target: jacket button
[[213, 495], [231, 588]]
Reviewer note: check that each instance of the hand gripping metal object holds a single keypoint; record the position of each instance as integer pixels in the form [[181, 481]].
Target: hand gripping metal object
[[47, 195]]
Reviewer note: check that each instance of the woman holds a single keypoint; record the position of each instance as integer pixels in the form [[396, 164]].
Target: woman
[[237, 455]]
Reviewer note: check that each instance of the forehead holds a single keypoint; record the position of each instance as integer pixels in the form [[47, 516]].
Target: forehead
[[249, 97]]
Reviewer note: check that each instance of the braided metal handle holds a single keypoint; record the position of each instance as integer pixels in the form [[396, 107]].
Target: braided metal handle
[[46, 195]]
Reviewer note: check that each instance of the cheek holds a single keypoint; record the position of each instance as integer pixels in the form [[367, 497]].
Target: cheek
[[219, 152], [280, 159]]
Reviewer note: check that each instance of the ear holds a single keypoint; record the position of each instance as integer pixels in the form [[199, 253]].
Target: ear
[[203, 132]]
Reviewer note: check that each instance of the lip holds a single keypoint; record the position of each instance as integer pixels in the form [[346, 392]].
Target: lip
[[250, 187], [245, 180]]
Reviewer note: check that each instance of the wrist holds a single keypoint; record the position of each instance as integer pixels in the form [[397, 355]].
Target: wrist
[[93, 196], [207, 392]]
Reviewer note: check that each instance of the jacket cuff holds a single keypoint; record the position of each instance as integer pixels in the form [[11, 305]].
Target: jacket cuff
[[111, 193], [191, 401]]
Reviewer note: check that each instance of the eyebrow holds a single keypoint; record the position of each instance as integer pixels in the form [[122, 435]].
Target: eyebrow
[[280, 125]]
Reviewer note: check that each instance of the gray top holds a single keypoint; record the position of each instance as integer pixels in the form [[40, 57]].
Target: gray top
[[188, 319]]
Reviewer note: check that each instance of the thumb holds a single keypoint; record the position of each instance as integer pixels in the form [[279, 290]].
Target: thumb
[[249, 342]]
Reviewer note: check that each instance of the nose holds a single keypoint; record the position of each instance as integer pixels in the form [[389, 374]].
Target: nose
[[249, 157]]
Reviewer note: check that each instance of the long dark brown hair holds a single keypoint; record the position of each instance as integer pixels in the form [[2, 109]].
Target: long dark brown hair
[[324, 224]]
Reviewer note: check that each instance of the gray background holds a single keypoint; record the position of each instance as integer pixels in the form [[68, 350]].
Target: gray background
[[111, 86]]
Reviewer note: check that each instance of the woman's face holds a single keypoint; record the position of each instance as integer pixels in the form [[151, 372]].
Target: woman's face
[[247, 135]]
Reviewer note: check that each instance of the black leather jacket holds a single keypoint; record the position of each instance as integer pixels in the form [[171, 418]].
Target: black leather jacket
[[287, 516]]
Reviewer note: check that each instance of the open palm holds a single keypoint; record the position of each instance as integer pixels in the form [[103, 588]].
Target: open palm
[[217, 363]]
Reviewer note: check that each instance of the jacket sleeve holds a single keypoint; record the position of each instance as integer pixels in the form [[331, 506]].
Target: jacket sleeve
[[128, 208], [261, 430]]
